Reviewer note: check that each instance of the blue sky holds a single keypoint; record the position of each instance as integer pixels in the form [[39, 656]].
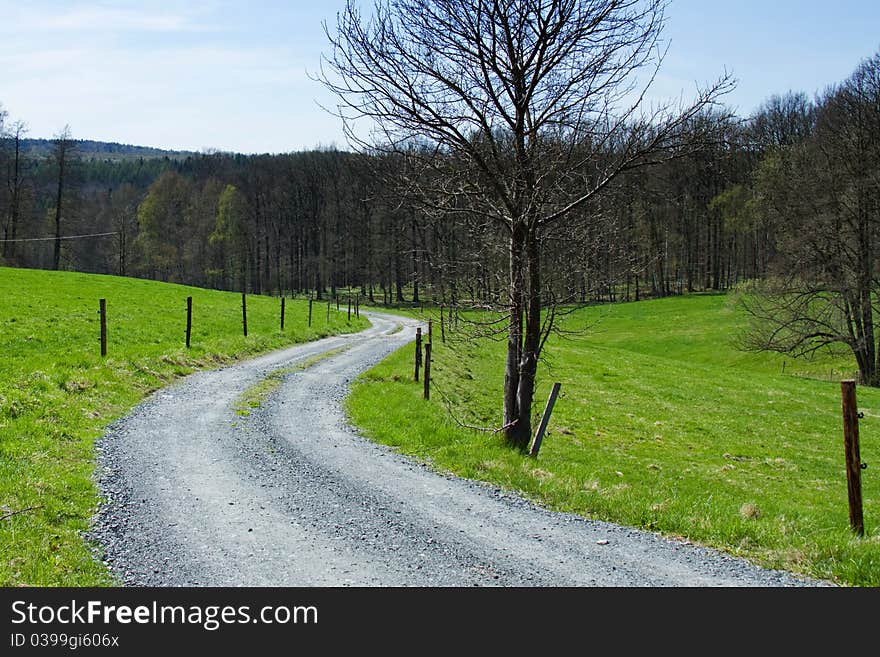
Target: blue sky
[[226, 75]]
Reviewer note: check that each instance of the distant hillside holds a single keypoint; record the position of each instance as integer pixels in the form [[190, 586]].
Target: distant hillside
[[102, 150]]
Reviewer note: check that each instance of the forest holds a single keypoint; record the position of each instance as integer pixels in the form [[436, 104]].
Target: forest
[[786, 200], [325, 219]]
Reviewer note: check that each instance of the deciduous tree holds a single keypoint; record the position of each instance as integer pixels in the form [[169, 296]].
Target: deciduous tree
[[526, 110], [63, 148], [824, 196]]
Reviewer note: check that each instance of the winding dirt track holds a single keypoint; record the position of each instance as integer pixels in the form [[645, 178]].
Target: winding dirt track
[[293, 496]]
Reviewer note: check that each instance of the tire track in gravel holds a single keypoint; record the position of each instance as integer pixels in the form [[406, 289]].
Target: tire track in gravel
[[293, 496]]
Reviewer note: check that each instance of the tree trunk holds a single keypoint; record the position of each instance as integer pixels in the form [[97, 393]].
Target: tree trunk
[[398, 270], [56, 256], [528, 366], [513, 432], [415, 260], [15, 202]]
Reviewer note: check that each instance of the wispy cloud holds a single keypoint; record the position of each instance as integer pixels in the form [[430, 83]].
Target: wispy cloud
[[150, 17], [172, 73], [241, 98], [109, 18]]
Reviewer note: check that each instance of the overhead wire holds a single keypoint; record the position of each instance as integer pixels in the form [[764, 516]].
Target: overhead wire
[[62, 237]]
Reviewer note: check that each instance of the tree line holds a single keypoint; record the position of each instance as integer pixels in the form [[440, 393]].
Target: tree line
[[538, 187], [319, 220]]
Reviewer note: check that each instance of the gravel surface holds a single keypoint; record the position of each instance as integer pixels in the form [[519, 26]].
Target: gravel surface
[[292, 496]]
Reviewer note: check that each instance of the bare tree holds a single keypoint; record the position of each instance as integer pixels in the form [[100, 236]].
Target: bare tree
[[824, 195], [123, 211], [3, 157], [4, 201], [783, 120], [15, 178], [529, 109], [62, 149]]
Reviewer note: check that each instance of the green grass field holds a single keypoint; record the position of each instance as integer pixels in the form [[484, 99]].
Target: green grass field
[[662, 424], [57, 394]]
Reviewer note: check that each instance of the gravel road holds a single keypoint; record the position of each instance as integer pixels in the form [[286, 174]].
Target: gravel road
[[292, 496]]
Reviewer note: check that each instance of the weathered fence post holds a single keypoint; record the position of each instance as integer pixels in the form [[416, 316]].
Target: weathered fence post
[[430, 330], [418, 351], [853, 459], [357, 306], [244, 312], [102, 310], [310, 311], [349, 307], [545, 419], [282, 313], [189, 319], [328, 311], [442, 328], [427, 370]]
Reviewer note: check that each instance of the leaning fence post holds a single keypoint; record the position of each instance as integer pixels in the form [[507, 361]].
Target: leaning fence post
[[102, 309], [545, 419], [418, 351], [427, 370], [854, 464], [189, 319]]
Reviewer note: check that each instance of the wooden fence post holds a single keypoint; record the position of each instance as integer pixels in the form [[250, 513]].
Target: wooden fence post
[[328, 311], [545, 419], [853, 459], [357, 305], [189, 319], [442, 328], [310, 311], [244, 312], [427, 370], [102, 310], [418, 351], [349, 307], [282, 313], [430, 330]]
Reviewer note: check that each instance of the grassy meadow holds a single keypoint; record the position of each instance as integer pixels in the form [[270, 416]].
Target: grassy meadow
[[662, 424], [57, 394]]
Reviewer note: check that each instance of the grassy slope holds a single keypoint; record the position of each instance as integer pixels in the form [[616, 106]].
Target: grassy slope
[[663, 424], [57, 394]]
